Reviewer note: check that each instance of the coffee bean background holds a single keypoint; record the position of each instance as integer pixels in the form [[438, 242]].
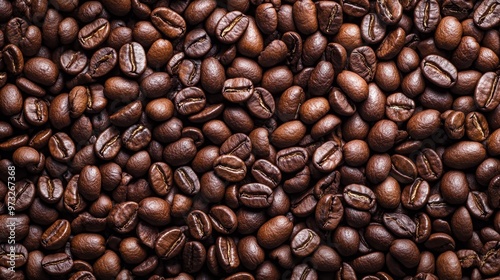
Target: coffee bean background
[[250, 139]]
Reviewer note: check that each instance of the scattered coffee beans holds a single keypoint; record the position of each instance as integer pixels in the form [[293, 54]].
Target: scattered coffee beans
[[250, 139]]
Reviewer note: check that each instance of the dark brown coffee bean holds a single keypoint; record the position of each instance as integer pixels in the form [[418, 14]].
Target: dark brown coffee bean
[[132, 60], [266, 173], [223, 219], [477, 204], [429, 165], [200, 226], [56, 235], [359, 197], [197, 43], [329, 212], [330, 17], [187, 181], [291, 159], [274, 232], [439, 71], [189, 101], [400, 224], [403, 169], [57, 264], [304, 243], [485, 15], [101, 63], [227, 253], [256, 195], [448, 265], [426, 15], [231, 27], [123, 217], [13, 58], [170, 243], [108, 144], [230, 168], [160, 177], [464, 154], [487, 94], [237, 90], [94, 34], [170, 23], [41, 70]]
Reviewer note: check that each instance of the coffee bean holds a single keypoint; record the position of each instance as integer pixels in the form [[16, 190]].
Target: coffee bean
[[291, 159], [274, 232], [101, 63], [359, 197], [200, 226], [169, 243], [230, 168], [327, 157], [237, 90], [256, 195], [426, 16], [132, 59], [123, 217], [187, 181], [484, 15], [439, 71], [57, 264], [223, 219], [94, 34], [329, 212], [190, 101], [227, 253], [231, 27], [170, 23]]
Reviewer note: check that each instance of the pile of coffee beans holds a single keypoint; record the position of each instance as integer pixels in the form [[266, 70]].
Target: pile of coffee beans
[[250, 139]]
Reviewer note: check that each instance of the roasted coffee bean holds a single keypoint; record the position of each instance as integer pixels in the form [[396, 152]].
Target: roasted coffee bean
[[231, 27], [169, 243], [400, 224], [187, 180], [170, 23], [230, 168], [101, 63], [255, 195], [329, 212], [359, 197], [200, 226], [190, 101], [327, 157], [426, 15], [237, 90], [132, 59], [429, 165], [160, 177], [266, 173], [108, 144], [57, 264], [123, 217], [223, 219], [274, 232], [227, 253], [486, 94], [56, 235], [291, 159], [94, 34], [403, 169], [485, 14]]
